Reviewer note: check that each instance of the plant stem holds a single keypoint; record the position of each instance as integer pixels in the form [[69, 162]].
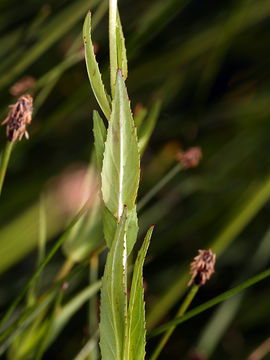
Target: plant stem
[[4, 162], [166, 178], [44, 341], [112, 40], [54, 249], [209, 304], [93, 306], [190, 296]]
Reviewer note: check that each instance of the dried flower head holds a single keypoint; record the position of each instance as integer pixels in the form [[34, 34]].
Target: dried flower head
[[19, 116], [22, 85], [190, 158], [202, 267]]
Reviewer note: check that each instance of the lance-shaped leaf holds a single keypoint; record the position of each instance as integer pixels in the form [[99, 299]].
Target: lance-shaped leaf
[[132, 229], [113, 312], [100, 138], [110, 225], [121, 48], [113, 42], [121, 163], [93, 69], [135, 341]]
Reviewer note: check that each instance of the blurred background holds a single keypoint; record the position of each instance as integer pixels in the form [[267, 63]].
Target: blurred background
[[207, 62]]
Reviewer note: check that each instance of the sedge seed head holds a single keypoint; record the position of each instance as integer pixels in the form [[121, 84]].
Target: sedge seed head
[[202, 267], [19, 116]]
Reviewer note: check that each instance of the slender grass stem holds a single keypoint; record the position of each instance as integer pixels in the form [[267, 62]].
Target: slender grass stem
[[164, 181], [45, 337], [209, 304], [42, 265], [190, 296], [32, 293], [4, 162], [93, 305]]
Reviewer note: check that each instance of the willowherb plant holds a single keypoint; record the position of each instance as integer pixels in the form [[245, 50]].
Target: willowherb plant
[[122, 320]]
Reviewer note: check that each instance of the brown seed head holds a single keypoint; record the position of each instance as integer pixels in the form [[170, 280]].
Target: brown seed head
[[22, 85], [202, 267], [19, 116], [190, 158]]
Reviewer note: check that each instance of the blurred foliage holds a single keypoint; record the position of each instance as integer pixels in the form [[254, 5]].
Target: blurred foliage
[[208, 62]]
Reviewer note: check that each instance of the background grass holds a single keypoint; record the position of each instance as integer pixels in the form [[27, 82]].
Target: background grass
[[209, 64]]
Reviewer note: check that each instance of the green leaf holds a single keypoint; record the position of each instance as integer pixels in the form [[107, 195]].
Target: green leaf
[[93, 69], [121, 48], [100, 138], [147, 127], [109, 226], [113, 42], [70, 309], [121, 163], [132, 230], [113, 311], [135, 344]]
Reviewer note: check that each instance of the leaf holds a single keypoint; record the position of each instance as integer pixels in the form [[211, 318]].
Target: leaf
[[147, 127], [109, 226], [121, 48], [100, 138], [132, 230], [93, 69], [113, 42], [135, 344], [121, 163], [113, 313], [70, 309]]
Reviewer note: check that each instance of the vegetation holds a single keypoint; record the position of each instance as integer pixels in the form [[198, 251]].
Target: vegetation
[[173, 79]]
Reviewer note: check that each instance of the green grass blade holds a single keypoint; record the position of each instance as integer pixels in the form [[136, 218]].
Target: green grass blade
[[209, 304], [148, 125], [113, 310], [93, 69], [50, 34], [69, 309], [121, 164], [36, 274], [4, 159], [135, 343], [239, 221]]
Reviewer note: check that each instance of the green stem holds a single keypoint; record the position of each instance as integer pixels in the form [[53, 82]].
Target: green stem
[[112, 40], [209, 304], [4, 162], [93, 306], [240, 219], [190, 296], [164, 181], [33, 290], [43, 264], [45, 337]]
